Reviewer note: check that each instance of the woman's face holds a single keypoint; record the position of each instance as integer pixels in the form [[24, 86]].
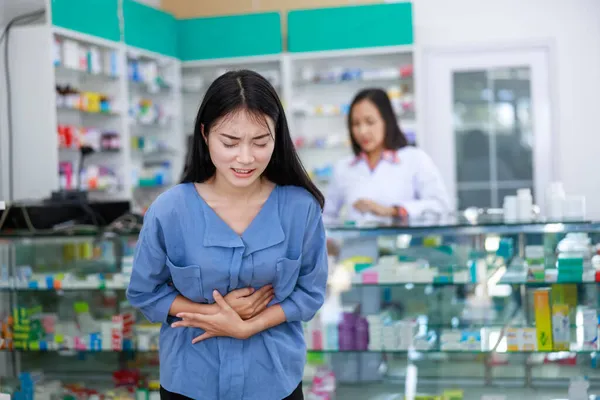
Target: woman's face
[[240, 146], [367, 126]]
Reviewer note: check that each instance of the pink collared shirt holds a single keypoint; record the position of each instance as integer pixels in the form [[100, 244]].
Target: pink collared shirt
[[390, 156], [407, 178]]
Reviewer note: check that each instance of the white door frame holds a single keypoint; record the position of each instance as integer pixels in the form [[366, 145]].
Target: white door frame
[[438, 138]]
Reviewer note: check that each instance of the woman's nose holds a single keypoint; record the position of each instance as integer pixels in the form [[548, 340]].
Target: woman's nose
[[245, 155], [362, 130]]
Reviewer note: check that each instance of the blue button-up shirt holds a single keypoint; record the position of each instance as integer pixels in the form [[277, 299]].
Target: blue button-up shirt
[[186, 248]]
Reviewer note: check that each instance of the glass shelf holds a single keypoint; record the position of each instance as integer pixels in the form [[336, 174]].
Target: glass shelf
[[461, 226], [440, 351], [62, 70], [504, 340], [403, 352], [447, 226]]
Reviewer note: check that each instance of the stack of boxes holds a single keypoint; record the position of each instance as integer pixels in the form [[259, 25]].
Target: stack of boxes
[[391, 270], [543, 319], [95, 60], [574, 259], [351, 334], [357, 333], [521, 339], [147, 337], [461, 340], [555, 311], [535, 261], [30, 329], [375, 332]]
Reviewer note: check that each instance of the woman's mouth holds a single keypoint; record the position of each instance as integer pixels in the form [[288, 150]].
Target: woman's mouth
[[242, 173]]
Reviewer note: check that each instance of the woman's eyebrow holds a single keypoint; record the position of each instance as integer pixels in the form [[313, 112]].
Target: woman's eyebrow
[[230, 136], [264, 135]]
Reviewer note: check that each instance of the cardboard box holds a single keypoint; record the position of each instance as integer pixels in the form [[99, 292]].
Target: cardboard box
[[561, 327], [543, 319]]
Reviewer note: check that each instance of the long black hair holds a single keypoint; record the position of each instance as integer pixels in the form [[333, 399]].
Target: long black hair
[[394, 138], [247, 90]]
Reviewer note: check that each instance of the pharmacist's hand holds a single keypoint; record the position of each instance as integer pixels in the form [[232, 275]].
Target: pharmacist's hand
[[226, 322], [247, 302], [370, 206]]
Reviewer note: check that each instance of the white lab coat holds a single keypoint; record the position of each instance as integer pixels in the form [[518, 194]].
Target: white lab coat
[[406, 177]]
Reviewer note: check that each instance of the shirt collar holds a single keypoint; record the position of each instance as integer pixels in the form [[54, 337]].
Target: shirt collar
[[390, 156], [263, 232]]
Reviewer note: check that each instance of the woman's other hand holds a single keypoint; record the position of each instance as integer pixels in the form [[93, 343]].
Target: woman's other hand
[[226, 322], [247, 302], [369, 206]]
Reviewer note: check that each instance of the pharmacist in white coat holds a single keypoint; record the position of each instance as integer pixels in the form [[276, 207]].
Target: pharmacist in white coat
[[386, 179]]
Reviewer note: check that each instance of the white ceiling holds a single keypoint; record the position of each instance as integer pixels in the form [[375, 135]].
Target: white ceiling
[[11, 8]]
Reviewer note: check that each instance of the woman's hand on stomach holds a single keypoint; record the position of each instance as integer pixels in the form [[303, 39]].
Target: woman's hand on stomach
[[247, 302], [225, 322]]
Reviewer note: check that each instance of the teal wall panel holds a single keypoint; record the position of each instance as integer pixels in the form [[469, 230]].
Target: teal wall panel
[[350, 27], [98, 18], [147, 28], [229, 36]]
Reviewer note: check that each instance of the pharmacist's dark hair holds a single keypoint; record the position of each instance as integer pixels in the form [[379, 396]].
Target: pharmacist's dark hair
[[247, 91], [394, 137], [188, 155]]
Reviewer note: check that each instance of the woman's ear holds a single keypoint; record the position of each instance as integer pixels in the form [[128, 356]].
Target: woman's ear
[[203, 135]]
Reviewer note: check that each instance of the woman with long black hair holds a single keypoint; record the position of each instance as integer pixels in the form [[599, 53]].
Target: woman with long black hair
[[234, 258]]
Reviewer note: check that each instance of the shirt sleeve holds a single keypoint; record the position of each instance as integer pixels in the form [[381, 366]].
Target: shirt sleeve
[[309, 294], [431, 194], [334, 200], [148, 289]]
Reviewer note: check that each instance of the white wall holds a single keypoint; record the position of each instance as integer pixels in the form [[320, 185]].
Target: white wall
[[574, 26]]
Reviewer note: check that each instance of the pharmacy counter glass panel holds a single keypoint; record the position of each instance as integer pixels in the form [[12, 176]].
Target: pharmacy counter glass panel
[[457, 310], [465, 304]]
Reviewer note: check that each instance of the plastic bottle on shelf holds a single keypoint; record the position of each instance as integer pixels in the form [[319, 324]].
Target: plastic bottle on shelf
[[70, 54], [510, 209], [111, 63], [347, 332], [555, 198], [83, 59], [370, 74], [93, 60], [351, 74], [524, 205], [406, 71], [388, 73], [308, 74], [361, 334]]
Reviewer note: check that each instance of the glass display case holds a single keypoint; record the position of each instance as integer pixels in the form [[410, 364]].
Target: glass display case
[[458, 310]]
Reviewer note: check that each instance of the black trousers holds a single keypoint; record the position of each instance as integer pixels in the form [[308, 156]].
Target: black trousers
[[166, 395]]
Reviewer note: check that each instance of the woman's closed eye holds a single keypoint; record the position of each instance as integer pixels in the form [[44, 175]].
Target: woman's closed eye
[[229, 145]]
